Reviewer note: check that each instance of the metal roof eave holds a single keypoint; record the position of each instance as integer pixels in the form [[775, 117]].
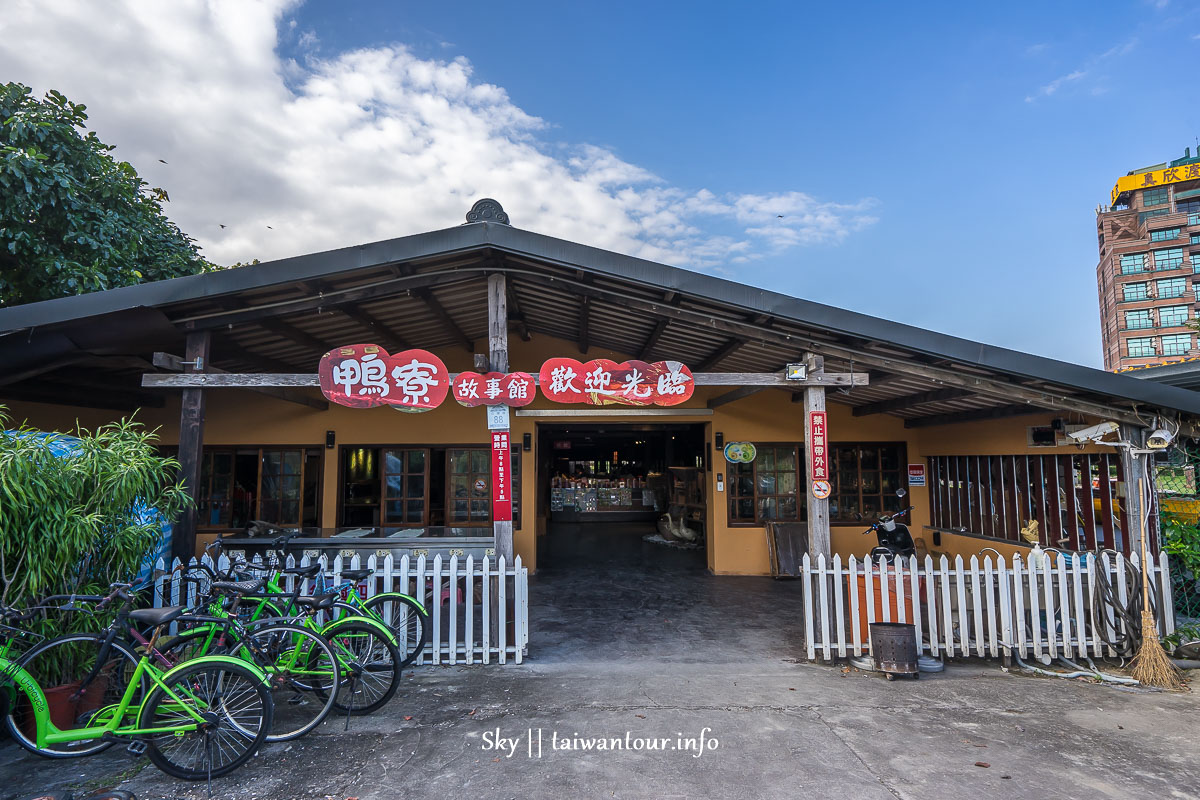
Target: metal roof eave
[[551, 250]]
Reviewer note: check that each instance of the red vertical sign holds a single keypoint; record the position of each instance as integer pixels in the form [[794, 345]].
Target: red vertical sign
[[818, 447], [501, 478]]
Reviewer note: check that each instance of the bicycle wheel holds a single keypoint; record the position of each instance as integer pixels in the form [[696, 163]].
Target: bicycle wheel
[[408, 620], [303, 672], [60, 666], [237, 710], [370, 666]]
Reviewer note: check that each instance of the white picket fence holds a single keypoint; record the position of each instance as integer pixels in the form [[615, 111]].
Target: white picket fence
[[478, 609], [972, 609]]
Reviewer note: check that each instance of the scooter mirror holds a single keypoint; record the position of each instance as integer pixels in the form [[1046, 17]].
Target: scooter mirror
[[901, 492]]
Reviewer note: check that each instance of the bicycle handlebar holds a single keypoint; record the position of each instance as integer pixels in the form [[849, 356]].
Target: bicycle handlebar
[[888, 518]]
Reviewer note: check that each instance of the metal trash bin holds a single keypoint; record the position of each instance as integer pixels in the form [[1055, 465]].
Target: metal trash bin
[[894, 648]]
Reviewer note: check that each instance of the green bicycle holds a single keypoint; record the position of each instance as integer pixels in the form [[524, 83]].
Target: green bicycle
[[404, 615], [363, 650], [202, 719]]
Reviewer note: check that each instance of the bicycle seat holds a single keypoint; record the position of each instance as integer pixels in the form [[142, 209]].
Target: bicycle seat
[[239, 587], [156, 616], [319, 602], [356, 574], [304, 572]]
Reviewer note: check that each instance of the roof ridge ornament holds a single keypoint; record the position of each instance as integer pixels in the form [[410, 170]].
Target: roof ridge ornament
[[487, 210]]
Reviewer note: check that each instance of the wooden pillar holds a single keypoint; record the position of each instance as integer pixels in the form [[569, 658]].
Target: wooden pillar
[[818, 508], [498, 358], [1133, 468], [191, 443]]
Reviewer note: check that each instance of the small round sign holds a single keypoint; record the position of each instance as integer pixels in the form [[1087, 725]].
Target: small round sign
[[480, 486], [821, 489]]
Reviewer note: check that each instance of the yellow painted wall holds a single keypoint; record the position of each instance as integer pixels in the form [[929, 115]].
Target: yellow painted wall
[[241, 417]]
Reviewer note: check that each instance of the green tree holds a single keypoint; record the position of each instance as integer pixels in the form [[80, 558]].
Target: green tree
[[72, 218]]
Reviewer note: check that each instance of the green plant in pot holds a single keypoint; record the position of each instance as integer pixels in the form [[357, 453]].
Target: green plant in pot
[[76, 523]]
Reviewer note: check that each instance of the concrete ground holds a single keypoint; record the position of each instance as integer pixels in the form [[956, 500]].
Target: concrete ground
[[636, 644]]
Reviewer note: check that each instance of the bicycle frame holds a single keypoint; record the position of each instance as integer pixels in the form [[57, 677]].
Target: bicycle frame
[[48, 733]]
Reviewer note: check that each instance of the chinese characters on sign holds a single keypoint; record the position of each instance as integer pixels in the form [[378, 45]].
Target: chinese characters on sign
[[602, 382], [501, 478], [1155, 177], [818, 453], [494, 389], [365, 376]]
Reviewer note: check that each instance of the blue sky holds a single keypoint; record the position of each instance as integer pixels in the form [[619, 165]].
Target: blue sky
[[939, 164]]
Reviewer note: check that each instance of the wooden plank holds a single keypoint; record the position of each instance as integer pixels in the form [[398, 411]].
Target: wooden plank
[[977, 603], [823, 576], [989, 588], [498, 360], [265, 379], [191, 445], [839, 604], [1106, 503], [908, 401], [809, 642], [175, 364], [819, 539], [380, 332], [720, 354], [852, 589], [585, 311], [931, 605]]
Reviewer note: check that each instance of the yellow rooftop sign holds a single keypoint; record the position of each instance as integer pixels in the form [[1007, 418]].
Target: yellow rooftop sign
[[1155, 177]]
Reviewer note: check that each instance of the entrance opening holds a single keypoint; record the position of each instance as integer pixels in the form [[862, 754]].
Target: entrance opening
[[622, 493]]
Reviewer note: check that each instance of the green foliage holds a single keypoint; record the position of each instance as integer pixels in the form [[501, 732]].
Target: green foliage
[[1181, 541], [72, 218], [70, 524]]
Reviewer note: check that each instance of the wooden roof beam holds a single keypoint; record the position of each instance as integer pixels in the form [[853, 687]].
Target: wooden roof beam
[[426, 296], [908, 401], [974, 415], [378, 328], [720, 354], [286, 330], [736, 394], [174, 363]]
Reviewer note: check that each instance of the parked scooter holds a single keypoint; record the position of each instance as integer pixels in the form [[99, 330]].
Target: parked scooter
[[894, 539]]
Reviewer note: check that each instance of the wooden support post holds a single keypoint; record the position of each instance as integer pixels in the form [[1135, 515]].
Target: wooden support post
[[191, 443], [818, 508], [498, 357], [1133, 469]]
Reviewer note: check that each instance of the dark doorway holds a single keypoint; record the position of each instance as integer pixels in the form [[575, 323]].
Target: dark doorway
[[622, 493]]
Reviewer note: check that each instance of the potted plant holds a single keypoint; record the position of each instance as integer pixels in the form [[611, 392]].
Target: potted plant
[[76, 515]]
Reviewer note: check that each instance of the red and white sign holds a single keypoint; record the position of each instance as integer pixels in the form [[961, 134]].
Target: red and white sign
[[821, 489], [603, 382], [916, 474], [365, 376], [501, 478], [494, 389], [818, 448]]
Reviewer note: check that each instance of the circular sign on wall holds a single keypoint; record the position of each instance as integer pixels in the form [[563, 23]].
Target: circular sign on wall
[[740, 452], [821, 489], [480, 486]]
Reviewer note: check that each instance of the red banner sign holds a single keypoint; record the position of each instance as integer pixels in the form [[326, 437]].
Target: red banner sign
[[365, 376], [494, 389], [818, 447], [501, 478], [603, 382]]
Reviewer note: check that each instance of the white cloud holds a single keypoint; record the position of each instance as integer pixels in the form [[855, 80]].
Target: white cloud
[[1056, 84], [362, 145]]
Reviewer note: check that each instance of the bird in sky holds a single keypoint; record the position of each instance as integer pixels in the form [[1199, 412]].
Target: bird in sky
[[161, 161], [222, 226]]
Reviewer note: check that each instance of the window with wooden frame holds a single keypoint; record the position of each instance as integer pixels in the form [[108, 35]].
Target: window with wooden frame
[[279, 485], [769, 488], [468, 487], [865, 479], [1075, 499], [405, 486]]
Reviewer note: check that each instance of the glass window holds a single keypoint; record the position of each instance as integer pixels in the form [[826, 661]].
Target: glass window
[[1171, 258], [769, 488], [1170, 287], [1193, 219], [1195, 239], [865, 480], [1164, 235], [1154, 197], [405, 486], [1138, 319], [1172, 315], [1158, 212], [238, 485], [1189, 206], [1135, 291], [1133, 262], [1141, 348], [469, 487], [1177, 344]]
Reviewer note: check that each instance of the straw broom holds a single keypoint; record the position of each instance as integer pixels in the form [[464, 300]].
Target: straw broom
[[1151, 665]]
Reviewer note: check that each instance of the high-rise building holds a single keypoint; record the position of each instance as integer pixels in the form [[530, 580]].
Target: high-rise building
[[1147, 238]]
